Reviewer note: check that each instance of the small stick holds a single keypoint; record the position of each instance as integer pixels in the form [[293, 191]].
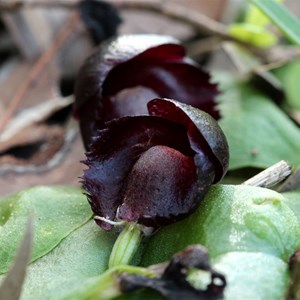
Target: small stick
[[11, 5], [292, 183], [37, 69], [271, 176], [178, 12], [174, 11]]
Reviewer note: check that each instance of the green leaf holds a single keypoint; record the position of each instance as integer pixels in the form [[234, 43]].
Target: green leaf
[[230, 219], [293, 201], [287, 22], [78, 258], [57, 211], [258, 132], [253, 275], [253, 34], [245, 270], [254, 28], [250, 234], [289, 75], [12, 285], [256, 16], [77, 268]]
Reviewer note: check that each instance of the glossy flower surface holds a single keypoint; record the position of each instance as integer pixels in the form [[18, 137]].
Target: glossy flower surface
[[154, 169], [124, 74]]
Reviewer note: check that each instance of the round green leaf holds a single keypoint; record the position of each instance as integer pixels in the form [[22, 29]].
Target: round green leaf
[[251, 275], [57, 211], [259, 134], [231, 219], [292, 199], [79, 257]]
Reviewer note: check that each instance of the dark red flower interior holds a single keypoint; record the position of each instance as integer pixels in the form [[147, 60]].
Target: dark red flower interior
[[169, 79], [95, 69], [128, 67], [164, 180]]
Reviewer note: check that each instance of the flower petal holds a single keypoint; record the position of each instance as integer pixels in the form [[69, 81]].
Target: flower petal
[[114, 152], [115, 52], [88, 106], [203, 131], [170, 79], [154, 62]]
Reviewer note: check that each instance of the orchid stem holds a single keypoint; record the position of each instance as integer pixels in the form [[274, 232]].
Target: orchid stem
[[126, 245]]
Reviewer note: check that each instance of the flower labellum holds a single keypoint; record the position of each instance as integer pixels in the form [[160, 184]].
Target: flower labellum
[[124, 74], [154, 169]]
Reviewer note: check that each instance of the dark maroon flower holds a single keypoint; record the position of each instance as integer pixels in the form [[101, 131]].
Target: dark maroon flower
[[154, 169], [171, 280], [123, 75]]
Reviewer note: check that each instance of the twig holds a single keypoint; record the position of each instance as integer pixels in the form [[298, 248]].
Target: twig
[[295, 115], [206, 24], [278, 56], [174, 11], [292, 183], [180, 13], [271, 176], [33, 115], [38, 68], [202, 46], [282, 53], [171, 10], [11, 5]]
